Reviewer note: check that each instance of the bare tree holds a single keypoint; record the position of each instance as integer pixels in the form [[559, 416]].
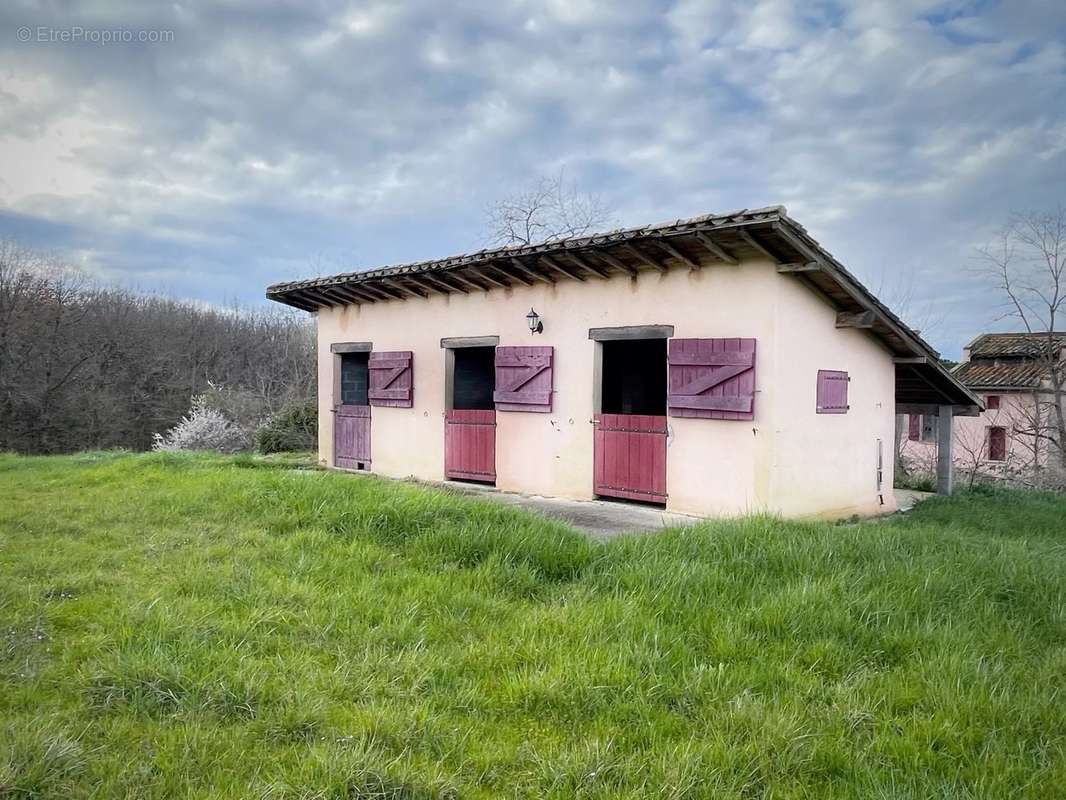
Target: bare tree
[[83, 365], [1026, 263], [551, 210]]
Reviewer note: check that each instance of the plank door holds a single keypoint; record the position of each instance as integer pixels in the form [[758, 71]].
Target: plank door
[[351, 437], [470, 444], [630, 457]]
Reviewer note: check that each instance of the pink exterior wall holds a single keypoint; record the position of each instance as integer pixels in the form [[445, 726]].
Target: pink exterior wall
[[789, 460], [971, 436]]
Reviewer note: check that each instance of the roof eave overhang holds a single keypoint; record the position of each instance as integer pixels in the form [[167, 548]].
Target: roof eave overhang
[[722, 240]]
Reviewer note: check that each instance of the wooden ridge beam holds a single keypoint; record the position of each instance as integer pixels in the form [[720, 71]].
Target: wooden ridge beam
[[855, 319], [715, 249], [644, 259]]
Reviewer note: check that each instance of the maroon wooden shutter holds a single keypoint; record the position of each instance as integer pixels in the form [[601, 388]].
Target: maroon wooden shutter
[[391, 379], [832, 395], [523, 379], [914, 427], [712, 378]]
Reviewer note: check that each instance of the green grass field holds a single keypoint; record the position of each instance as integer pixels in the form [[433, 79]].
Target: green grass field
[[177, 626]]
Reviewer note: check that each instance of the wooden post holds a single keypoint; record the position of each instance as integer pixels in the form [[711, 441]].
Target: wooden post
[[944, 451]]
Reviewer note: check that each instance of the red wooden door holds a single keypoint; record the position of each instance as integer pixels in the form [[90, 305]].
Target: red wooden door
[[470, 444], [351, 437], [630, 456]]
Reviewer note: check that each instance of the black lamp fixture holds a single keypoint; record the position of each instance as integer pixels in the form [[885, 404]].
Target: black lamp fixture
[[535, 325]]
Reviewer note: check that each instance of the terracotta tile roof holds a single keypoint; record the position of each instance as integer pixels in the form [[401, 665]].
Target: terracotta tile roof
[[726, 238], [989, 374], [992, 345], [618, 236]]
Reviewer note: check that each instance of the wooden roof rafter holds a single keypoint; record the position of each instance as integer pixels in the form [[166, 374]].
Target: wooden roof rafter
[[402, 287], [531, 272], [322, 295], [617, 263], [508, 268], [439, 279], [714, 248], [692, 264], [485, 273], [644, 258], [585, 265], [346, 294], [758, 246], [550, 262], [423, 281]]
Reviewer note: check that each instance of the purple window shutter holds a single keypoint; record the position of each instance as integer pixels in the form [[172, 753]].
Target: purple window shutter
[[392, 379], [524, 379], [832, 395], [712, 378]]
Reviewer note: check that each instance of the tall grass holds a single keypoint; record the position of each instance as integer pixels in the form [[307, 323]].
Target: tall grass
[[190, 626]]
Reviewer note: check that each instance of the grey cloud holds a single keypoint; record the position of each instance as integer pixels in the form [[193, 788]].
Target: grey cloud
[[266, 139]]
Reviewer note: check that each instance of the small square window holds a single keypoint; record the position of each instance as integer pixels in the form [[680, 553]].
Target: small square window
[[992, 402], [832, 392]]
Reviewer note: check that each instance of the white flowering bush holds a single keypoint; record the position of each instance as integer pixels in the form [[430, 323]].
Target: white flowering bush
[[203, 428]]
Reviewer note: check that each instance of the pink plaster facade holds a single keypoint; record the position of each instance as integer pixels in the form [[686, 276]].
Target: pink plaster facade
[[788, 460], [971, 437]]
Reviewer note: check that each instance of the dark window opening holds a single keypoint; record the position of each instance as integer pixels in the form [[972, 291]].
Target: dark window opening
[[474, 377], [355, 379], [997, 444], [992, 402], [634, 377]]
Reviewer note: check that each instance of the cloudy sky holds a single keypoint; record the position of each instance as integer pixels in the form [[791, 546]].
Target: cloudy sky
[[247, 142]]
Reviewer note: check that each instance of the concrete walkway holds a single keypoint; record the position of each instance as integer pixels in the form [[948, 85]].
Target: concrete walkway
[[601, 519], [906, 499]]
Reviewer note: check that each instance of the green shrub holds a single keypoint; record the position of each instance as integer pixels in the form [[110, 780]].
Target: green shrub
[[294, 428]]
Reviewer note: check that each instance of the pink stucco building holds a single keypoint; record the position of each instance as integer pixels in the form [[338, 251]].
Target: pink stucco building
[[718, 365], [1009, 373]]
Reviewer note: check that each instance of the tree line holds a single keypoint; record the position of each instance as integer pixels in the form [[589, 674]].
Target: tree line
[[84, 365]]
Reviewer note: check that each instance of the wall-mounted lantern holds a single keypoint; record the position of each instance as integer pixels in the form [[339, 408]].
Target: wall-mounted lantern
[[535, 325]]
